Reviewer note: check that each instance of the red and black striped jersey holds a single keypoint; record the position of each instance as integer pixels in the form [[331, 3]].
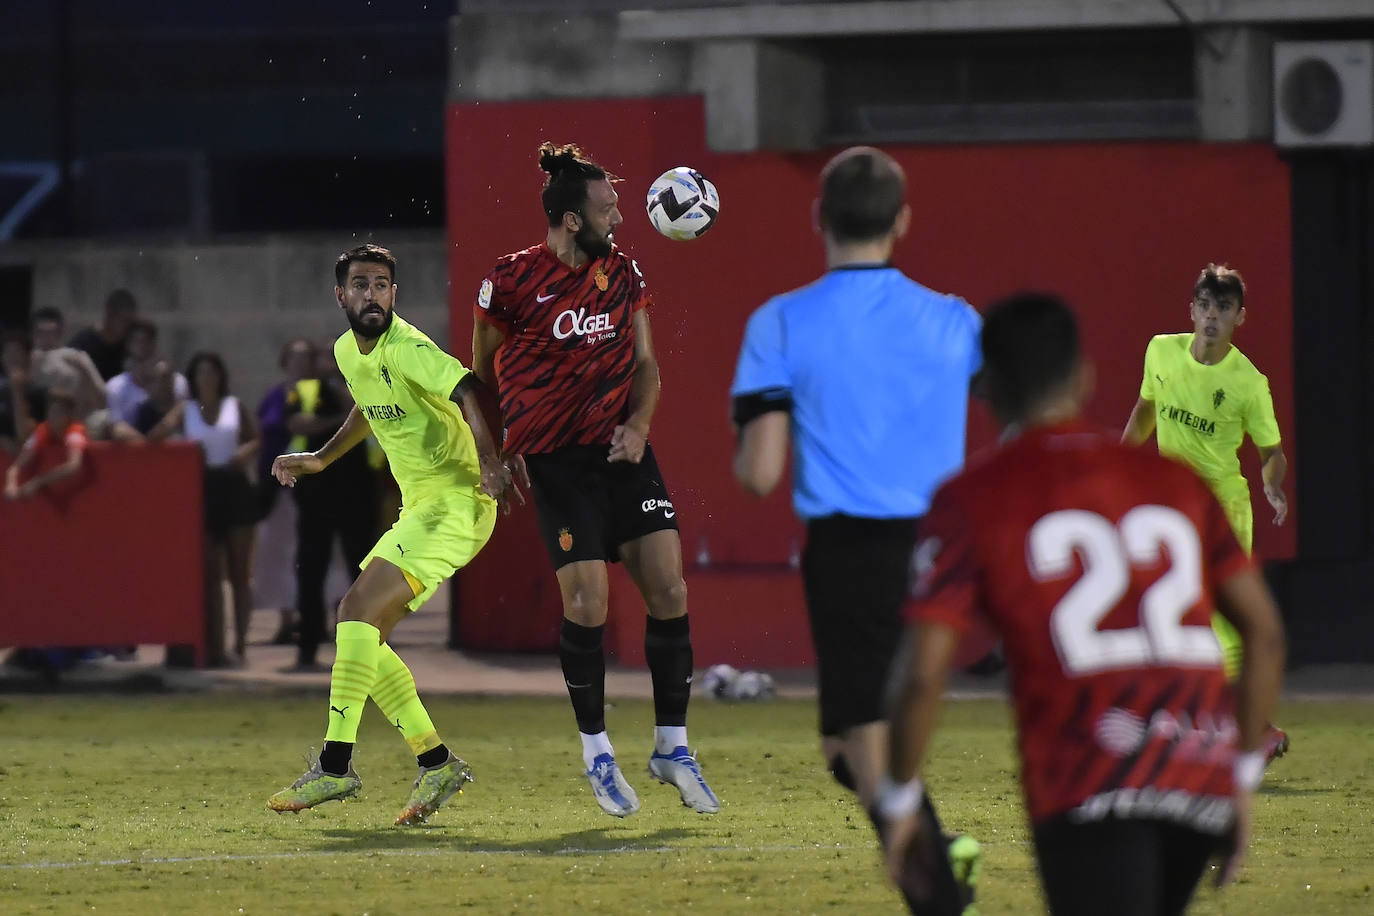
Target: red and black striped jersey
[[568, 358], [1097, 564]]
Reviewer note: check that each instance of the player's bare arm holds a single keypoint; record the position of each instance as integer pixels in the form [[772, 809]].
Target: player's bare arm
[[483, 415], [628, 439], [761, 452], [1140, 424], [916, 688], [286, 468], [487, 338], [1273, 468], [1244, 600]]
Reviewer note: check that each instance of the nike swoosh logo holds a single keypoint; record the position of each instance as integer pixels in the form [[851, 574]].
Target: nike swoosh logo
[[668, 513], [545, 298]]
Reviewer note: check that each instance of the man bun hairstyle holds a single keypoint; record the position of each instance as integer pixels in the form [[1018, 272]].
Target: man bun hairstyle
[[569, 169], [369, 254], [1220, 280], [1030, 349], [862, 191]]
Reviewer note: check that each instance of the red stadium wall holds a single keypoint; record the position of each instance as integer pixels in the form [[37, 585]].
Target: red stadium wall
[[113, 556], [1121, 229]]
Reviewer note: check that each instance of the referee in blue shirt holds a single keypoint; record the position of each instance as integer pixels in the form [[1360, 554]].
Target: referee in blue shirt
[[869, 372]]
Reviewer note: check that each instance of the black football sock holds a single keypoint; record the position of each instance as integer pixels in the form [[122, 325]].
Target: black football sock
[[336, 757], [584, 671], [433, 757], [668, 650]]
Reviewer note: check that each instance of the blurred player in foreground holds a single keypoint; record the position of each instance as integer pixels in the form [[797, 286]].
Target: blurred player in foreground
[[434, 419], [1098, 564], [1201, 397]]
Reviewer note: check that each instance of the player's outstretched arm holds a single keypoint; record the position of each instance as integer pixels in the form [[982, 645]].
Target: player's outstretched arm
[[1273, 468], [287, 468], [1244, 600], [1140, 424]]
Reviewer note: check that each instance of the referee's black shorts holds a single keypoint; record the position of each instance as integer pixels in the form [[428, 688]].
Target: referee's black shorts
[[589, 506], [856, 573], [1122, 866]]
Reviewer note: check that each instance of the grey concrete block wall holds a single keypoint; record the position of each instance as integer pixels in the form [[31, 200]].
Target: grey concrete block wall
[[242, 297]]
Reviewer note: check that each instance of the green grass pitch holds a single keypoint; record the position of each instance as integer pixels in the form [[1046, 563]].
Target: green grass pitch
[[155, 804]]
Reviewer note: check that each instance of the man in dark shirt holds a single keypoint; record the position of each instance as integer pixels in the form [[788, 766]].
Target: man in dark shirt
[[105, 344]]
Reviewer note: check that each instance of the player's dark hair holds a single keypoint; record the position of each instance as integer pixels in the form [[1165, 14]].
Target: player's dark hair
[[1030, 349], [862, 191], [207, 356], [368, 254], [49, 313], [120, 300], [569, 169], [1220, 280]]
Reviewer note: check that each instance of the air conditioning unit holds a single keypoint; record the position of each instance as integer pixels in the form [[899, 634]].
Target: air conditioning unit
[[1323, 93]]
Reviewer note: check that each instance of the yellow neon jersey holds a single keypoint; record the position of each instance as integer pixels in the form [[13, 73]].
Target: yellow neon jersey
[[1203, 413], [402, 388]]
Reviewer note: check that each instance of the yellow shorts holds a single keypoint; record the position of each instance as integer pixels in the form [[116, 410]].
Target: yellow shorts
[[436, 537]]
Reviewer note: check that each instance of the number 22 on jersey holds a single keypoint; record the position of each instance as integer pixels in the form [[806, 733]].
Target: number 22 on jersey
[[1109, 552]]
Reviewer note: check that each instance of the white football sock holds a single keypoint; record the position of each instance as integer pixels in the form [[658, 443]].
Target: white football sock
[[595, 745], [667, 737]]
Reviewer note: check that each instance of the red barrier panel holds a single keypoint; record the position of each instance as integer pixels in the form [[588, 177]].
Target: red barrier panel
[[1120, 228], [112, 557]]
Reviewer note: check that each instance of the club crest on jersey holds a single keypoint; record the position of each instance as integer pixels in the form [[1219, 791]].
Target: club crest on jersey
[[565, 539], [1217, 397], [600, 279], [386, 377]]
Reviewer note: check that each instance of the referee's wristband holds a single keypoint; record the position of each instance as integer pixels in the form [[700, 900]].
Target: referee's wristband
[[899, 800], [1248, 770]]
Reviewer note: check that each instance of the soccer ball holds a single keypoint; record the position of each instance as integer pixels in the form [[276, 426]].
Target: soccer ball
[[682, 204]]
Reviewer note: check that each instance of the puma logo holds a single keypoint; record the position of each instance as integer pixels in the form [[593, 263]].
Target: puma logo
[[338, 710]]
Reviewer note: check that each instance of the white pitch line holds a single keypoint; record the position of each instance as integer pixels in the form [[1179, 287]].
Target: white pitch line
[[409, 853]]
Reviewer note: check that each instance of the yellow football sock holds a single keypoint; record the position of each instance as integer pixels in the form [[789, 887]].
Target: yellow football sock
[[357, 646], [1231, 647], [394, 693]]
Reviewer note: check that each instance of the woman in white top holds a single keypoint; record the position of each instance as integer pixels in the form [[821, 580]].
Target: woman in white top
[[214, 418]]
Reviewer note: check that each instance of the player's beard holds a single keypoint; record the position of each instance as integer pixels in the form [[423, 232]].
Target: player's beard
[[594, 246], [367, 331]]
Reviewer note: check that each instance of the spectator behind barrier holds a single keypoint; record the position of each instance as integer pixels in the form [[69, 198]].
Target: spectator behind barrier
[[228, 438], [59, 441], [129, 389], [106, 344]]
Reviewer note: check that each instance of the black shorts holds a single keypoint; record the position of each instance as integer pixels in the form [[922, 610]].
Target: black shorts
[[589, 506], [1131, 867], [229, 500], [856, 572]]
